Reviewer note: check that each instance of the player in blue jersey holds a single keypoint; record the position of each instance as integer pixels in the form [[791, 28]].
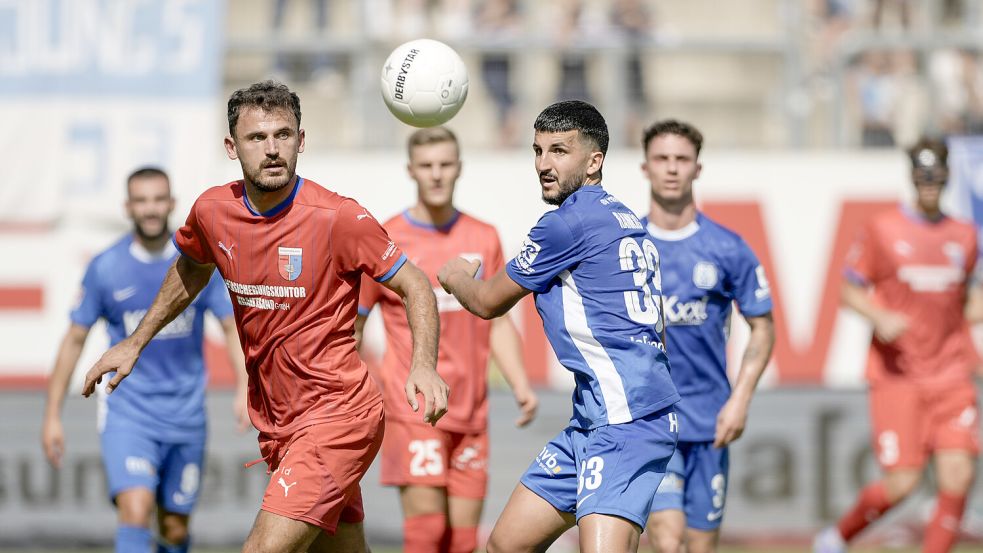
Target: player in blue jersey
[[705, 268], [595, 275], [153, 445]]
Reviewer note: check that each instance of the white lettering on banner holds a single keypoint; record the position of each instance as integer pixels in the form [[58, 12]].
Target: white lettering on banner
[[150, 39]]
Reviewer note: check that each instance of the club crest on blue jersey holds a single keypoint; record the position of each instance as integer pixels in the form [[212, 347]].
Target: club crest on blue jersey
[[289, 262], [705, 275]]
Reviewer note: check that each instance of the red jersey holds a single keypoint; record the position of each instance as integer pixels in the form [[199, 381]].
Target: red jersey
[[294, 274], [462, 358], [921, 269]]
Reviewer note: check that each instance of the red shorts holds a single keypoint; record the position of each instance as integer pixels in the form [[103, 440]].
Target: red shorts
[[417, 454], [911, 421], [316, 477]]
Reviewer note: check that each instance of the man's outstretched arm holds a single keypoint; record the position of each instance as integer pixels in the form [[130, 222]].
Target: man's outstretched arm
[[485, 298], [184, 280]]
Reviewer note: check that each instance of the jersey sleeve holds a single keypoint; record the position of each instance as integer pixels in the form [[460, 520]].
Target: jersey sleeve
[[362, 245], [90, 306], [216, 297], [749, 283], [369, 294], [550, 249], [190, 239], [861, 260]]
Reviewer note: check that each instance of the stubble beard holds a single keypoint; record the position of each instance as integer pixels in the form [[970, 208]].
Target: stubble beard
[[565, 189], [272, 184]]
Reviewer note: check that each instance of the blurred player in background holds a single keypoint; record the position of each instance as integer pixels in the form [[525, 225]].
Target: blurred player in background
[[595, 274], [292, 254], [914, 275], [153, 431], [705, 268], [442, 472]]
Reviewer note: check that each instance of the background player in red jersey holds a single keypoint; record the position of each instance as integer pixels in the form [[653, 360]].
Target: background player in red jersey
[[292, 254], [442, 472], [914, 275]]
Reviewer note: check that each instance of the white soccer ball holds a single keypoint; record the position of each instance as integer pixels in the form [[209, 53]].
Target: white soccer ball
[[424, 83]]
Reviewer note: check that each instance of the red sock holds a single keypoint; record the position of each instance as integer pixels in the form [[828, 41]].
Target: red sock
[[871, 504], [463, 539], [425, 533], [943, 531]]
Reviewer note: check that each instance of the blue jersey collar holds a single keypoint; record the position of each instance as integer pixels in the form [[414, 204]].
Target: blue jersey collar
[[277, 208]]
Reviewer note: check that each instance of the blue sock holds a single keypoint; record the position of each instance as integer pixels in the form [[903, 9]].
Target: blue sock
[[132, 539], [163, 547]]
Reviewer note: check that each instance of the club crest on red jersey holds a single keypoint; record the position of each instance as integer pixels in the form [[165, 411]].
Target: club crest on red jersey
[[289, 262]]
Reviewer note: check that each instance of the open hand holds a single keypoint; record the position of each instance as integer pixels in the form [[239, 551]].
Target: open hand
[[730, 422]]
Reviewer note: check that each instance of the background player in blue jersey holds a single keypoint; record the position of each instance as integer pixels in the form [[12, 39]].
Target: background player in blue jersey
[[705, 267], [154, 444], [595, 275]]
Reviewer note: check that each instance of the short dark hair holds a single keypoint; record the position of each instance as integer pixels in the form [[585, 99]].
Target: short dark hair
[[145, 172], [268, 96], [576, 115], [672, 126], [430, 135], [929, 153]]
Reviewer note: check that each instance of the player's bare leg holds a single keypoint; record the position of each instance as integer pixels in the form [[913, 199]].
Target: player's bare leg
[[463, 517], [954, 471], [173, 527], [278, 534], [608, 534], [899, 483], [135, 506], [701, 541], [666, 530], [529, 524], [348, 538]]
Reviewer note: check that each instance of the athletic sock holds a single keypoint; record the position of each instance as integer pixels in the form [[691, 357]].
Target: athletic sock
[[463, 539], [132, 539], [425, 533], [943, 530], [164, 547], [871, 504]]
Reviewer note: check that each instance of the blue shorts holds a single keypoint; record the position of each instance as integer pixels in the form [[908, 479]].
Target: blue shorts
[[171, 470], [696, 484], [611, 470]]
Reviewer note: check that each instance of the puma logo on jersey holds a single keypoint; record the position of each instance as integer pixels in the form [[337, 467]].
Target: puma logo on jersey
[[228, 251], [362, 216], [286, 487]]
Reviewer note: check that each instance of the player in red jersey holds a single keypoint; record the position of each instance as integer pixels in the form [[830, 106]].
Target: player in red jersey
[[914, 275], [292, 255], [442, 472]]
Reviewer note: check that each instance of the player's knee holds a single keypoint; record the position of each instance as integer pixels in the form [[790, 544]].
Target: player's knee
[[133, 512], [957, 478], [499, 543], [901, 484], [174, 529], [667, 543]]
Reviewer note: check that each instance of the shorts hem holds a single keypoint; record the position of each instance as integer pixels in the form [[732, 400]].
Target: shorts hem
[[655, 509], [302, 518], [548, 497], [610, 511], [705, 526]]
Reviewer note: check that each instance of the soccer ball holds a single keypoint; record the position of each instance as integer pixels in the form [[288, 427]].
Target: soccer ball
[[424, 83]]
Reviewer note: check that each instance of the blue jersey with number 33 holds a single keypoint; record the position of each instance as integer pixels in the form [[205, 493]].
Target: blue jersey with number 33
[[595, 273]]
